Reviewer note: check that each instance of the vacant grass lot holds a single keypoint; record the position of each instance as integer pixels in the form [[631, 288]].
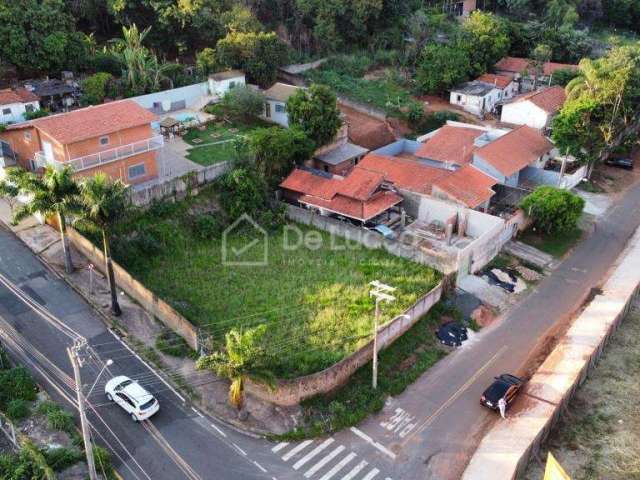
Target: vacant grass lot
[[314, 298], [599, 435]]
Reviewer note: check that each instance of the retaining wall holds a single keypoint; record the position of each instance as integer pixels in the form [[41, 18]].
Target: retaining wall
[[177, 188], [136, 290], [292, 392], [362, 108], [505, 451]]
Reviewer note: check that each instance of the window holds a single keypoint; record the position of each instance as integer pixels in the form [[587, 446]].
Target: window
[[232, 84], [29, 108], [27, 136], [6, 111], [280, 108], [104, 140], [136, 171], [459, 98]]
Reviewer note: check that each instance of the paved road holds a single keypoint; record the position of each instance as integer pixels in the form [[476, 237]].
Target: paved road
[[176, 443], [430, 430], [427, 432]]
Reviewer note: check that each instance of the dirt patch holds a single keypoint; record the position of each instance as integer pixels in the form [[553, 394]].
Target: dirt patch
[[437, 104], [599, 433], [366, 130], [483, 315], [613, 180]]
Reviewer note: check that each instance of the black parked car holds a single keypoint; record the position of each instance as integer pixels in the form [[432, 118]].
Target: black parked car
[[505, 386], [626, 163]]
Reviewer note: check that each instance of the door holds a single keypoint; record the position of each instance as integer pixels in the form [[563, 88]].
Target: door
[[267, 110], [47, 148], [124, 402]]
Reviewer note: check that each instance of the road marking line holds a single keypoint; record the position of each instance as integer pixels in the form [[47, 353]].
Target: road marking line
[[218, 430], [279, 447], [312, 453], [455, 396], [355, 470], [298, 448], [339, 466], [371, 441], [197, 412], [239, 449], [371, 474], [326, 459], [264, 470]]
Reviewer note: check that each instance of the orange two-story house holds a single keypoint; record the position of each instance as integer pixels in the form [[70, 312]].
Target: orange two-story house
[[115, 138]]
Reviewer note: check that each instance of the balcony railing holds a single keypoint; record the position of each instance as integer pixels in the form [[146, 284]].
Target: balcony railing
[[105, 156]]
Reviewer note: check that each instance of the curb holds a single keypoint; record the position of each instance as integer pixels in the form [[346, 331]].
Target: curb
[[109, 323]]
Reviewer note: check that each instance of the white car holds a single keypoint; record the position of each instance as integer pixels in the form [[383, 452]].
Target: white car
[[132, 397]]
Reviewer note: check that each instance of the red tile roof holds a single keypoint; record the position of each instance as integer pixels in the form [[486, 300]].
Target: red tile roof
[[359, 210], [500, 81], [513, 64], [305, 182], [360, 184], [95, 121], [468, 185], [361, 201], [405, 174], [550, 99], [450, 144], [515, 150], [551, 67], [19, 95]]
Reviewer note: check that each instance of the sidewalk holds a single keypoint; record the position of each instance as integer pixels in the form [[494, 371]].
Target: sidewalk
[[140, 330]]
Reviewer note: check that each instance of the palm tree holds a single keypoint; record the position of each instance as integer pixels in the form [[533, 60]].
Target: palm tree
[[41, 468], [242, 359], [56, 193], [104, 203]]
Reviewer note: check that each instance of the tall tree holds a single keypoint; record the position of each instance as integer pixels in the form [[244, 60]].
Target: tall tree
[[103, 204], [243, 358], [486, 40], [441, 67], [55, 194], [315, 110], [39, 36]]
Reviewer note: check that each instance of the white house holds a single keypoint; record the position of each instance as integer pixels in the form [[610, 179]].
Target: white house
[[221, 82], [476, 97], [535, 109], [15, 103], [276, 104]]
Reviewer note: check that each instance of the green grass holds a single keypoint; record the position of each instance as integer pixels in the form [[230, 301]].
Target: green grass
[[386, 93], [222, 131], [557, 245], [399, 366], [315, 301], [170, 343]]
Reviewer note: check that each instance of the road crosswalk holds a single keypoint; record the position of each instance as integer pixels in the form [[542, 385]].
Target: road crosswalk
[[324, 459]]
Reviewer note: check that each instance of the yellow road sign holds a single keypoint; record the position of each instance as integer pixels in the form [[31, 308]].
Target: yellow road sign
[[554, 470]]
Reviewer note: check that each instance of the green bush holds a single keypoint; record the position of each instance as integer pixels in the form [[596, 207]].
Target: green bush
[[60, 419], [553, 210], [207, 227], [103, 462], [353, 65], [18, 409], [16, 384], [62, 458]]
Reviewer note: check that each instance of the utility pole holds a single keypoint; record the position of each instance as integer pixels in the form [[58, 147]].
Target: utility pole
[[86, 435], [380, 292]]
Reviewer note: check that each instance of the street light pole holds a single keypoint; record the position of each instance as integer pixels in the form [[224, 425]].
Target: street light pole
[[380, 292], [88, 446]]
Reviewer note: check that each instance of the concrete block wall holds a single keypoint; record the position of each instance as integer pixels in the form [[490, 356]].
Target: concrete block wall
[[177, 188], [506, 449], [136, 290]]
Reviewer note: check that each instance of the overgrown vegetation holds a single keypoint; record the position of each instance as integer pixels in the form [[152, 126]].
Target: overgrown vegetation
[[314, 300], [399, 366], [553, 210]]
